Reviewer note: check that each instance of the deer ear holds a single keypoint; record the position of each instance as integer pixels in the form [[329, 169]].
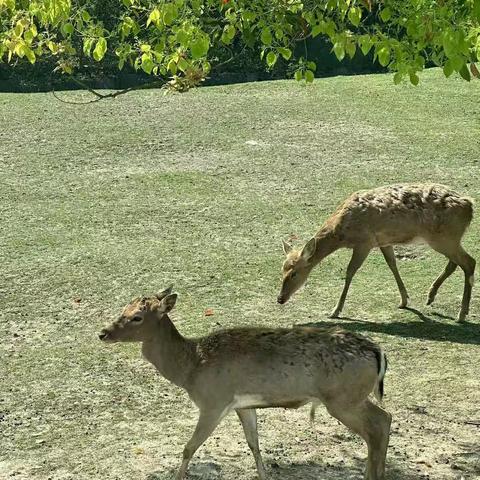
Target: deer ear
[[167, 303], [287, 248], [167, 291], [309, 249]]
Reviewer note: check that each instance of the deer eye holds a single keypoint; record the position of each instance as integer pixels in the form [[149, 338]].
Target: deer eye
[[136, 318]]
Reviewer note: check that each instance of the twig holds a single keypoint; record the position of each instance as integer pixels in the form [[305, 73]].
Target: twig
[[100, 96], [472, 422]]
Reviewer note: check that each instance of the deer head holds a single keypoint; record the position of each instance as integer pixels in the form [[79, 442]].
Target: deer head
[[140, 318], [296, 268]]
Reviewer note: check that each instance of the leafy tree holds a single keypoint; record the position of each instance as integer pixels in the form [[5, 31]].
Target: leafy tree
[[180, 41]]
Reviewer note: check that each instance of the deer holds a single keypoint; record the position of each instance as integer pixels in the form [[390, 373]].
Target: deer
[[248, 368], [383, 217]]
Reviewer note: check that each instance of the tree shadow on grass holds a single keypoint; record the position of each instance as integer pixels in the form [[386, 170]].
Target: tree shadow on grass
[[468, 461], [339, 471], [427, 329], [288, 471]]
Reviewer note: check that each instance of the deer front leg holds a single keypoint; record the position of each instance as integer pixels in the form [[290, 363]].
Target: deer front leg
[[248, 417], [360, 253], [207, 423]]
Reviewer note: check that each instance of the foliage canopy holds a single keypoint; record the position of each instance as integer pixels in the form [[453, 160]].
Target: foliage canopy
[[182, 40]]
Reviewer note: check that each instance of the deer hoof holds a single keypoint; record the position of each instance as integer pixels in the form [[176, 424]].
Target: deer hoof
[[431, 297], [334, 314]]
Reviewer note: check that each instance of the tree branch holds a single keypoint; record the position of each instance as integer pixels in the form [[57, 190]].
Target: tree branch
[[100, 96]]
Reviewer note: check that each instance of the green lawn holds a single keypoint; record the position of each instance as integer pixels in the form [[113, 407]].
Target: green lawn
[[104, 202]]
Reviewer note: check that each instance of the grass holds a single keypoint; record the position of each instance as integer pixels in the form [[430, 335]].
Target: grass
[[104, 202]]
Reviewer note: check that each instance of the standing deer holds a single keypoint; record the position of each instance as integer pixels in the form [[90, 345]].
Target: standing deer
[[243, 369], [383, 217]]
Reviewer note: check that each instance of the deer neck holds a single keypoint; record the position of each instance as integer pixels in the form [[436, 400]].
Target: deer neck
[[326, 243], [171, 354]]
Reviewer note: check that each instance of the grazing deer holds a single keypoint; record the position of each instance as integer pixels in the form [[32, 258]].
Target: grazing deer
[[383, 217], [243, 369]]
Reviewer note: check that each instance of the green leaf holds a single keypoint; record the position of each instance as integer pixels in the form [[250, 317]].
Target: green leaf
[[339, 50], [154, 17], [271, 59], [311, 66], [279, 33], [182, 64], [266, 36], [228, 34], [386, 14], [309, 76], [147, 63], [170, 13], [87, 45], [183, 38], [28, 36], [145, 47], [464, 73], [397, 78], [172, 66], [100, 49], [199, 47], [67, 29], [286, 53], [414, 78], [316, 30], [365, 43], [476, 9], [355, 15], [30, 55], [18, 29], [298, 75], [383, 56], [448, 68], [20, 49], [85, 16], [248, 16], [350, 48], [457, 63]]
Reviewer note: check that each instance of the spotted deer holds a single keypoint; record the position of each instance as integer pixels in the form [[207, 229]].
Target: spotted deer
[[243, 369], [383, 217]]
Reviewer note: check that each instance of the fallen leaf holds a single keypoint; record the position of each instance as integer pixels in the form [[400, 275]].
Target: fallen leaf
[[138, 450], [208, 312]]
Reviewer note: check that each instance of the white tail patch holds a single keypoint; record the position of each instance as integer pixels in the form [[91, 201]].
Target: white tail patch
[[381, 374], [472, 280]]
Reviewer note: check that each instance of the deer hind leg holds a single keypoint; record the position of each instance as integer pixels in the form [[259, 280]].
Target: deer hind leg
[[389, 256], [372, 423], [248, 417], [207, 423], [358, 257], [456, 254], [432, 293]]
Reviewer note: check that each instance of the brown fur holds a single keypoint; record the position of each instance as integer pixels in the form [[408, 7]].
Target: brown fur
[[248, 368], [383, 217]]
